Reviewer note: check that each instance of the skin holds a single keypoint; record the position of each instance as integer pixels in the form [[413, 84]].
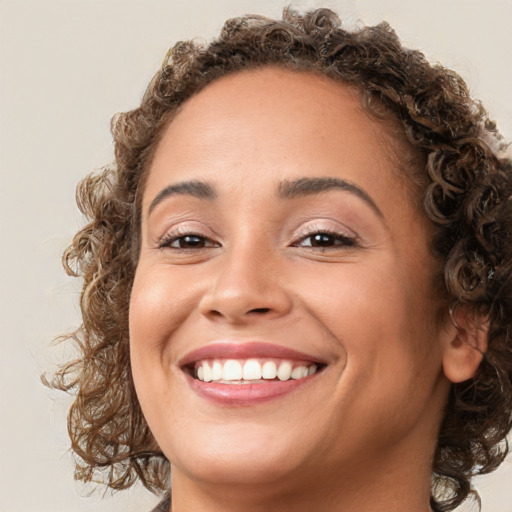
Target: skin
[[360, 435]]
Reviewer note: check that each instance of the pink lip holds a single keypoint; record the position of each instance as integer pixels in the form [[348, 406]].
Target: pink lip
[[245, 395], [244, 351]]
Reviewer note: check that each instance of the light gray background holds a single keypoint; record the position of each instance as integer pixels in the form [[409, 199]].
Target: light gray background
[[67, 66]]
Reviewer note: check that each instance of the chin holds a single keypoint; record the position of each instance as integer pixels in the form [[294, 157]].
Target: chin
[[235, 471], [236, 456]]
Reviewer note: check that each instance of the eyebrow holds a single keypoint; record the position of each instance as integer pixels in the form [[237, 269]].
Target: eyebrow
[[199, 189], [291, 189], [287, 189]]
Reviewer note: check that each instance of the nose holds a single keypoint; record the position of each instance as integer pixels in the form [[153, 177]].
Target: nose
[[246, 286]]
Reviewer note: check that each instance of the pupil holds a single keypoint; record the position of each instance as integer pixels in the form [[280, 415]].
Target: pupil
[[322, 239], [191, 241]]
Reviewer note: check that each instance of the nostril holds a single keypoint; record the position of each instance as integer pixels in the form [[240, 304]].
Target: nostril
[[259, 310]]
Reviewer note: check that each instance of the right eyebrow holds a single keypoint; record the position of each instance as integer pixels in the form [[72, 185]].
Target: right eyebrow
[[195, 188]]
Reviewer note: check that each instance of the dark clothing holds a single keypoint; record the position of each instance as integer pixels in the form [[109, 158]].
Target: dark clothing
[[164, 505]]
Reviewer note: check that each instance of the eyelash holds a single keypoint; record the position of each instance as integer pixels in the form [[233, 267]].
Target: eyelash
[[173, 237], [339, 240]]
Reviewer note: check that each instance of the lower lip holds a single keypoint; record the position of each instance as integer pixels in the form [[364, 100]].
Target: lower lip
[[245, 395]]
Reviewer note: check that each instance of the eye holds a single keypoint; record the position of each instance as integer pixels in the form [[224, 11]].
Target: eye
[[325, 240], [186, 241]]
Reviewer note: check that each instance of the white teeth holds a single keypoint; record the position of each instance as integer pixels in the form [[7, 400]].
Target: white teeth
[[299, 372], [285, 371], [207, 372], [269, 370], [216, 371], [232, 370], [240, 372], [252, 370]]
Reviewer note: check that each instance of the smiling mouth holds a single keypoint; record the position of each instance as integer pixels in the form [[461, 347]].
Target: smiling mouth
[[251, 371], [247, 374]]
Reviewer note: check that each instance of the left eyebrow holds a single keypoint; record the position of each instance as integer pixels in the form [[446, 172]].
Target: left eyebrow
[[290, 189]]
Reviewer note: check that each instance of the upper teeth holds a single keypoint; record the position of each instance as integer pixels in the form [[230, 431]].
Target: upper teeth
[[232, 370]]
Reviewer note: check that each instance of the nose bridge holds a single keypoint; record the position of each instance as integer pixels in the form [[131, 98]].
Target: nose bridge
[[246, 283]]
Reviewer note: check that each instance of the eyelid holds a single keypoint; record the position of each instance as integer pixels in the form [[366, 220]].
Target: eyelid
[[169, 239], [186, 229], [324, 226]]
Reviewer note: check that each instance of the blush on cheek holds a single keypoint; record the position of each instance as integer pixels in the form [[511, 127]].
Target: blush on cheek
[[153, 308]]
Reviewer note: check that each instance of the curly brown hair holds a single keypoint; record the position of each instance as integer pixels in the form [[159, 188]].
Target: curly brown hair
[[464, 181]]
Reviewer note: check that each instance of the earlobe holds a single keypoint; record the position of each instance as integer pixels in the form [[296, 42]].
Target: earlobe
[[465, 344]]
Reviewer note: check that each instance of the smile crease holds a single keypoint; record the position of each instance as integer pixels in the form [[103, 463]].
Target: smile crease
[[235, 371]]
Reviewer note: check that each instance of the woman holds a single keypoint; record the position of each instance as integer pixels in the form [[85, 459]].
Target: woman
[[296, 279]]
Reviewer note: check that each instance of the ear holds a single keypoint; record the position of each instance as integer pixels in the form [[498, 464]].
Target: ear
[[464, 344]]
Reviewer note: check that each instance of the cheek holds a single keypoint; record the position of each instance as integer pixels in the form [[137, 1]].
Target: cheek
[[154, 315], [381, 314], [156, 312], [158, 305], [361, 296]]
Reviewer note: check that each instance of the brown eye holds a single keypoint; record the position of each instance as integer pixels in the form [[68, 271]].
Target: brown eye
[[322, 240], [189, 241], [326, 240]]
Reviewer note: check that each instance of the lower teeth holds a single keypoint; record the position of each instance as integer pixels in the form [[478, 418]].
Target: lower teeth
[[237, 381]]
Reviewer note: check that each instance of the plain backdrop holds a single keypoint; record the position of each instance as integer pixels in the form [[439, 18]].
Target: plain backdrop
[[65, 68]]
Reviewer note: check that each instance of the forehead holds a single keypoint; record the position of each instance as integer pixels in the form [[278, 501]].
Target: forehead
[[276, 119]]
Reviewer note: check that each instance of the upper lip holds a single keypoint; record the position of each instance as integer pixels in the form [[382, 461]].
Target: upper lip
[[235, 350]]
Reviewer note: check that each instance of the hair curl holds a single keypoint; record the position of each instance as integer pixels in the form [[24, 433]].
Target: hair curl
[[464, 183]]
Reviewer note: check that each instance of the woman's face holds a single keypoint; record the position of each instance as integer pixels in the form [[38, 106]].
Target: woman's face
[[276, 230]]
